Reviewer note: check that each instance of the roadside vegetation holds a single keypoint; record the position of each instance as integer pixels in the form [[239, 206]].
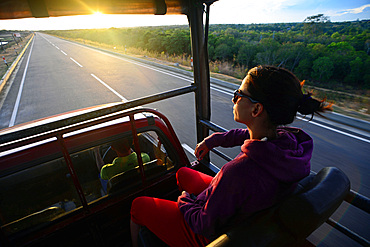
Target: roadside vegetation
[[332, 57], [10, 47]]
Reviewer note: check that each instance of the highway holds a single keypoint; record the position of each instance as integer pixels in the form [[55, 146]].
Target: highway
[[57, 76]]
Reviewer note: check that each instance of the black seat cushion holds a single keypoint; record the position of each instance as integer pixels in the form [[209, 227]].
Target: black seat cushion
[[294, 219], [305, 212]]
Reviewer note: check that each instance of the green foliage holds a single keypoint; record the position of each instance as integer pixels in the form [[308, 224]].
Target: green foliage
[[356, 67], [316, 49], [313, 25], [322, 68]]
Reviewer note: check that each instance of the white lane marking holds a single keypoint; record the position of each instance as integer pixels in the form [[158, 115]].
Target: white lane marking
[[111, 89], [182, 77], [179, 76], [212, 87], [159, 70], [335, 130], [57, 47], [222, 91], [63, 52], [76, 62], [16, 106]]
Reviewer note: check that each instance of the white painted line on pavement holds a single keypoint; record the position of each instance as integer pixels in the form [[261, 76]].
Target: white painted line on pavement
[[63, 52], [182, 77], [335, 130], [212, 87], [222, 91], [179, 76], [159, 70], [16, 106], [111, 89], [76, 62]]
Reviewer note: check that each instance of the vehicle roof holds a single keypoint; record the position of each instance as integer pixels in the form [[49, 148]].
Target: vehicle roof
[[15, 9]]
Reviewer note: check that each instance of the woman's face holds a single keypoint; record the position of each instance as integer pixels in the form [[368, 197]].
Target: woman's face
[[243, 106]]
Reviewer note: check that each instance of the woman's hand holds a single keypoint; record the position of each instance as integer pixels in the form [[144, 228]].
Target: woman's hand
[[201, 150], [185, 193]]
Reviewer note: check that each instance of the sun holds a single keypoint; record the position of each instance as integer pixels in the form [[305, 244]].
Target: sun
[[98, 20], [97, 14]]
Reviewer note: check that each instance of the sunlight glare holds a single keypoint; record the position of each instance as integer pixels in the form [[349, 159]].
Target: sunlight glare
[[97, 13]]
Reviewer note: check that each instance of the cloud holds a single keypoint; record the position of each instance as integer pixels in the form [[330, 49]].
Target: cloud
[[242, 11], [353, 11]]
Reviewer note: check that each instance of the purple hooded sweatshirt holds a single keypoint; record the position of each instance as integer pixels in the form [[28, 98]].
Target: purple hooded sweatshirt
[[261, 175]]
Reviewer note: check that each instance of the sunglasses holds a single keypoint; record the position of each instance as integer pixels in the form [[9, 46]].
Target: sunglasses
[[238, 93]]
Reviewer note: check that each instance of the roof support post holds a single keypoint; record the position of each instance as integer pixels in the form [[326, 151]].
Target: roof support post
[[201, 67]]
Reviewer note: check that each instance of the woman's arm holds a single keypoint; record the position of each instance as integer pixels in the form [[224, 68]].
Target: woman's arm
[[234, 137]]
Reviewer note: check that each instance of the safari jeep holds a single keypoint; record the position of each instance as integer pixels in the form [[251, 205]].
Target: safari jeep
[[51, 192]]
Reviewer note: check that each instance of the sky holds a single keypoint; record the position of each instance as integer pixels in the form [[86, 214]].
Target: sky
[[222, 12]]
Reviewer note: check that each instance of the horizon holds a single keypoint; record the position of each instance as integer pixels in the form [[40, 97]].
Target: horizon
[[166, 25], [221, 12]]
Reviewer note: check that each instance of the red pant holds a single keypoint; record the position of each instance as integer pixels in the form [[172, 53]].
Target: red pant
[[163, 217]]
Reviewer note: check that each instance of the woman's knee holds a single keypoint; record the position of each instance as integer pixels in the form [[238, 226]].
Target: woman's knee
[[192, 181], [182, 176], [138, 208], [182, 171]]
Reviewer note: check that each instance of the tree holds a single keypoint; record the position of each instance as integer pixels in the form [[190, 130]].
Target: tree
[[246, 54], [322, 68], [317, 50], [303, 70], [268, 54], [289, 54], [341, 48], [341, 53], [313, 24], [177, 42], [223, 52], [366, 77], [356, 71]]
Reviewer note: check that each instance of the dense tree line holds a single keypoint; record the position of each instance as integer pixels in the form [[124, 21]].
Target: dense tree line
[[321, 51]]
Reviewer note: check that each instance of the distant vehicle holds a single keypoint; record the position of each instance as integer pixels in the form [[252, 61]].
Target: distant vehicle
[[51, 193]]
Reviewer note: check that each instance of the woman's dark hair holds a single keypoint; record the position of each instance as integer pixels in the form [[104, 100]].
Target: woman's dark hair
[[280, 92]]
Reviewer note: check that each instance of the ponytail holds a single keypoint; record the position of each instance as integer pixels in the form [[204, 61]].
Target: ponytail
[[280, 92], [309, 105]]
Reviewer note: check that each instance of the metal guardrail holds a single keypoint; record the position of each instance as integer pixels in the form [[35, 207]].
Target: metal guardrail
[[355, 199], [10, 138]]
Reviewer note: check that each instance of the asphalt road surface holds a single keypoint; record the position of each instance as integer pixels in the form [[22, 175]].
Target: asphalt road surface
[[57, 76]]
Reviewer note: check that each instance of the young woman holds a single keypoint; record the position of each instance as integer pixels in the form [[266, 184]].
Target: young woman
[[272, 160]]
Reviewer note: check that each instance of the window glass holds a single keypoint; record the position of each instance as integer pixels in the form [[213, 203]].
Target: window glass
[[45, 192], [36, 195], [120, 171], [85, 165]]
